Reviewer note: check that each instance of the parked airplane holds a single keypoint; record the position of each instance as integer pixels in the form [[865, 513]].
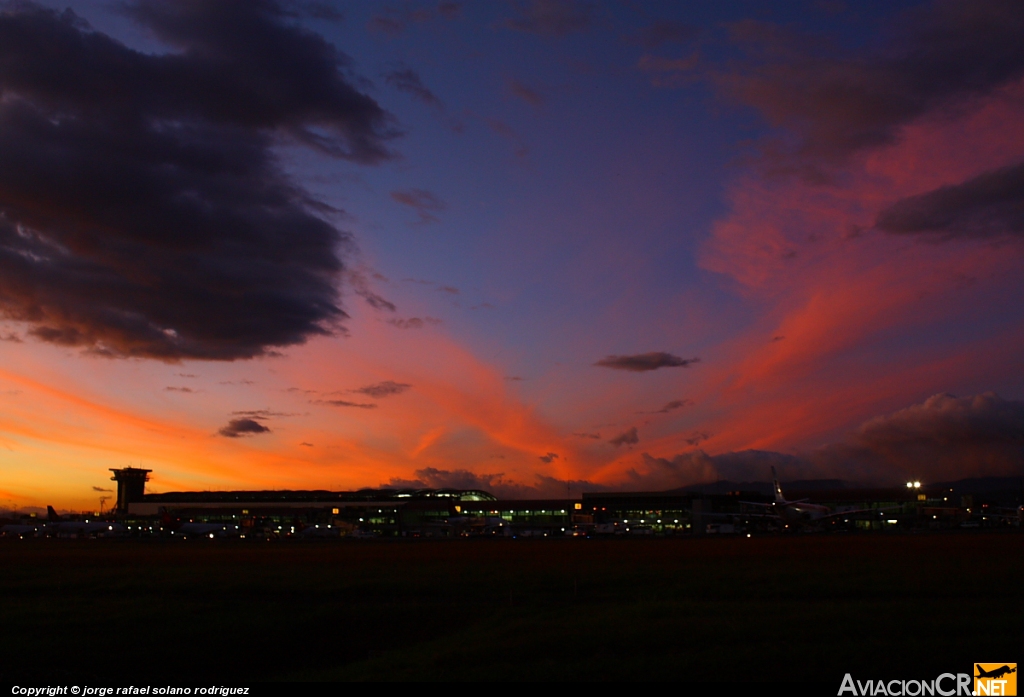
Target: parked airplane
[[12, 529], [801, 511], [208, 529], [77, 528], [190, 529]]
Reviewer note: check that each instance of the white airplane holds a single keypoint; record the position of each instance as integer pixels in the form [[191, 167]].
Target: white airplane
[[210, 530], [189, 529], [21, 529], [207, 529], [801, 511], [56, 526]]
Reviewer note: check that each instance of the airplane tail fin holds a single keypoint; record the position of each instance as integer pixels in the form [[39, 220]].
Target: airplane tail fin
[[51, 514], [779, 498], [169, 521]]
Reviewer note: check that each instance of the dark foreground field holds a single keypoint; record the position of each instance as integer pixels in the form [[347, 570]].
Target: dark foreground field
[[789, 609]]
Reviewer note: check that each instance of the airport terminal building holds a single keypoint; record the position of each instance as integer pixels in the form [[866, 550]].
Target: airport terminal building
[[423, 512], [459, 513]]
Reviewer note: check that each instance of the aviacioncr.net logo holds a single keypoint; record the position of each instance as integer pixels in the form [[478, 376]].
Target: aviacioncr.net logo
[[945, 685]]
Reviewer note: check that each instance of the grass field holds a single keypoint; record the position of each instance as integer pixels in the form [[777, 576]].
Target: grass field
[[799, 608]]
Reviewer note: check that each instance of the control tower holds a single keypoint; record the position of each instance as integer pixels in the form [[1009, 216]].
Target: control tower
[[131, 486]]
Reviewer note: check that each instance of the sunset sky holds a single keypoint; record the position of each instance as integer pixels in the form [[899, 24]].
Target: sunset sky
[[534, 247]]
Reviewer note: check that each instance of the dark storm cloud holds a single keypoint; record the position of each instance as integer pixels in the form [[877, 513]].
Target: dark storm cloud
[[552, 17], [629, 437], [497, 484], [432, 478], [383, 389], [945, 438], [988, 205], [343, 403], [377, 302], [662, 31], [645, 361], [838, 101], [423, 202], [413, 322], [548, 458], [142, 212], [697, 438], [408, 81], [359, 283], [238, 428], [659, 473], [243, 64], [671, 406], [261, 413]]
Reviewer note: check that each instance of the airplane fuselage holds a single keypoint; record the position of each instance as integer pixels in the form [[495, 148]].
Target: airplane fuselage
[[801, 511]]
